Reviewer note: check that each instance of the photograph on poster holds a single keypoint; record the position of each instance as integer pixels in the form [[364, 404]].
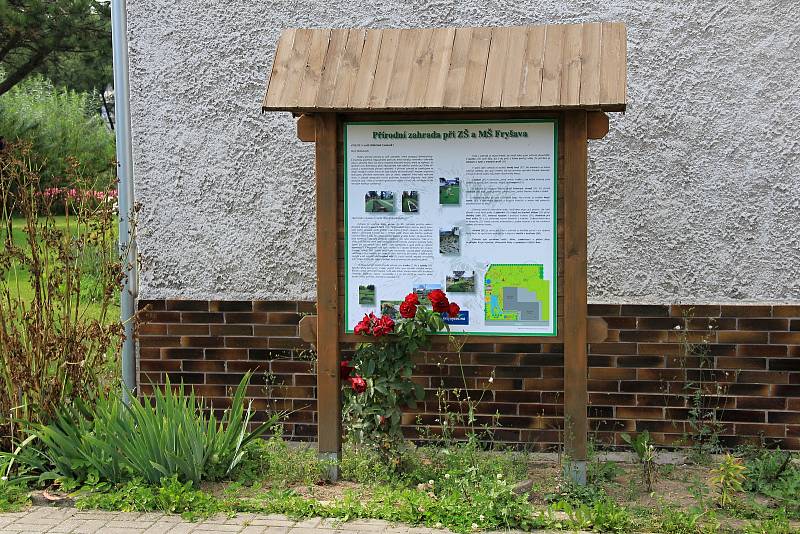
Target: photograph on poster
[[379, 202], [422, 291], [460, 282], [366, 294], [450, 241], [391, 308], [450, 191], [410, 202]]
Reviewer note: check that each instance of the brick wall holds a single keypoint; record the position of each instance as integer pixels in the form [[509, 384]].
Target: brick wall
[[737, 364]]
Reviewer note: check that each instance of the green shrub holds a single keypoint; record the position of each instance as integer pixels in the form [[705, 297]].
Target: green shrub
[[60, 124], [161, 436]]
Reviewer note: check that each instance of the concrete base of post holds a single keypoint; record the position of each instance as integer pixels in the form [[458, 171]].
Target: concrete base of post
[[332, 460], [575, 471]]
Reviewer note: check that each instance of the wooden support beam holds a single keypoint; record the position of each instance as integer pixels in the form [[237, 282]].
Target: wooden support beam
[[307, 128], [575, 287], [596, 124], [307, 329], [329, 401]]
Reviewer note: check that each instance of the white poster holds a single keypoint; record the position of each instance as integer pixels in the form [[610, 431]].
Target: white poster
[[468, 207]]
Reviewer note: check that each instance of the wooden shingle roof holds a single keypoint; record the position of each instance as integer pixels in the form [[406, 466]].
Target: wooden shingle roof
[[503, 68]]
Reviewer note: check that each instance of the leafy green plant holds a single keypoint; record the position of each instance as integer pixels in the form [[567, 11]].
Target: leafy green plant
[[59, 125], [161, 436], [677, 521], [727, 479], [169, 496], [57, 343], [13, 496], [380, 373], [646, 453]]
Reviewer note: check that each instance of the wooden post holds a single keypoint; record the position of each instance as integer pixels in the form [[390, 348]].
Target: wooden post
[[329, 407], [575, 286]]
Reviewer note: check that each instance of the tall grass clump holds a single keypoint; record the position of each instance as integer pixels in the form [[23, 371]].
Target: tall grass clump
[[59, 281], [59, 124], [168, 434]]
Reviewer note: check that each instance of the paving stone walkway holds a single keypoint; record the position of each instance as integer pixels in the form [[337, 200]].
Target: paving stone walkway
[[63, 520]]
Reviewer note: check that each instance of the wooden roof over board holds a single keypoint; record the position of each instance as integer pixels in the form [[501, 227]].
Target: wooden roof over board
[[504, 68]]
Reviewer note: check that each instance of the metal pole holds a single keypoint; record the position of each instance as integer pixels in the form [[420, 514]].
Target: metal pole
[[127, 243]]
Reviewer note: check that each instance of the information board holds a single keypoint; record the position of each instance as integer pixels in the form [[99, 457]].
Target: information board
[[468, 207]]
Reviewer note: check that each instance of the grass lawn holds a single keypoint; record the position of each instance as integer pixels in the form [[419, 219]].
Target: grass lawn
[[465, 285], [449, 194], [378, 205], [366, 295], [17, 279], [410, 205]]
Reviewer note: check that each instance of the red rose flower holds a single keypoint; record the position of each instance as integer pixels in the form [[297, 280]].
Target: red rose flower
[[453, 310], [408, 310], [363, 326], [412, 298], [383, 326], [345, 370], [439, 301], [358, 384]]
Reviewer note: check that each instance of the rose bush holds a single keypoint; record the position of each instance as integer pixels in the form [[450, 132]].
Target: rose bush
[[379, 374]]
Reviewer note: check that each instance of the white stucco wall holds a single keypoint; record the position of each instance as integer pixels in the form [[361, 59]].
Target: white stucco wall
[[694, 194]]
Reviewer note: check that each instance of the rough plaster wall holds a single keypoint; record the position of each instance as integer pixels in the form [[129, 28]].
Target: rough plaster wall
[[694, 194]]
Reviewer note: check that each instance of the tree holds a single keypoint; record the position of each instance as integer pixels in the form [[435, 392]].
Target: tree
[[36, 34]]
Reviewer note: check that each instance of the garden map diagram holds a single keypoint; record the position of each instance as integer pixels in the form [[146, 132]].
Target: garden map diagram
[[517, 294]]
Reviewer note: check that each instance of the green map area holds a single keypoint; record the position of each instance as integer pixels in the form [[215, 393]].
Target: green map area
[[517, 293]]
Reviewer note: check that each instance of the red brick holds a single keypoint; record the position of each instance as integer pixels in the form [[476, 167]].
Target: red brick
[[188, 329], [202, 341], [761, 403], [770, 431], [661, 374], [204, 366], [200, 317], [763, 377], [149, 353], [786, 391], [640, 361], [286, 343], [621, 323], [246, 342], [790, 311], [603, 385], [660, 348], [791, 418], [639, 336], [160, 365], [612, 399], [724, 362], [746, 310], [612, 348], [187, 305], [307, 307], [694, 310], [226, 354], [274, 306], [794, 325], [154, 305], [244, 366], [638, 412], [660, 400], [159, 341], [737, 336], [231, 306], [660, 323], [231, 330], [275, 330], [761, 350], [763, 324], [182, 353], [602, 310], [246, 317], [711, 324], [787, 338], [611, 373], [152, 329], [288, 318], [160, 317], [645, 310]]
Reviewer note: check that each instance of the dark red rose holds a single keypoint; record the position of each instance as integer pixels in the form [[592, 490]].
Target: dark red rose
[[363, 326], [412, 298], [439, 301], [345, 370], [383, 326], [358, 384], [407, 310], [452, 310]]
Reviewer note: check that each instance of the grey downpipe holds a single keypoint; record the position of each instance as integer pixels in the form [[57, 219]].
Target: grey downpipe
[[125, 198]]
